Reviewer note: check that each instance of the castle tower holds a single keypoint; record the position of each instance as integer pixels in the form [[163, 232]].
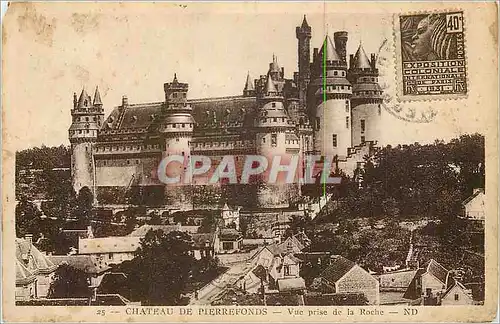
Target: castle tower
[[87, 118], [366, 97], [330, 97], [303, 34], [249, 89], [177, 131], [271, 128]]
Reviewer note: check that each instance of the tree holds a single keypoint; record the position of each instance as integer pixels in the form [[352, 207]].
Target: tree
[[84, 205], [27, 218], [69, 283], [161, 268]]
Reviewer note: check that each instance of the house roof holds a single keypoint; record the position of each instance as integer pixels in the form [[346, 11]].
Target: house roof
[[331, 52], [474, 195], [142, 230], [32, 259], [338, 267], [397, 279], [291, 284], [112, 244], [411, 292], [437, 270], [456, 284], [23, 275], [85, 263], [229, 234]]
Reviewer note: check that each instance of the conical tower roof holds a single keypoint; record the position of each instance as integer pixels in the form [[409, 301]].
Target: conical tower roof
[[249, 84], [331, 52], [304, 23], [84, 100], [270, 87], [274, 66], [361, 59], [97, 97]]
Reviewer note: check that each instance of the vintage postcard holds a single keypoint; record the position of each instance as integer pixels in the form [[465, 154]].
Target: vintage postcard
[[250, 162]]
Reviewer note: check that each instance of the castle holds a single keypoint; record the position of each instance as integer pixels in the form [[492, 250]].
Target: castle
[[331, 107]]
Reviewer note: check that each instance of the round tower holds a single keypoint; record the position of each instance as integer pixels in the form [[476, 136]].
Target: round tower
[[271, 128], [87, 118], [332, 92], [177, 131], [366, 98]]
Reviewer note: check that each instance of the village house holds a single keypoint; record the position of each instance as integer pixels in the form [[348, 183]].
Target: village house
[[34, 271], [345, 276], [231, 217], [433, 283], [457, 294], [474, 206], [109, 250], [228, 240]]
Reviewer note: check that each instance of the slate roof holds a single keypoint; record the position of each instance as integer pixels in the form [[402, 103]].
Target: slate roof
[[226, 110], [338, 267], [361, 59], [331, 52], [81, 262], [437, 270]]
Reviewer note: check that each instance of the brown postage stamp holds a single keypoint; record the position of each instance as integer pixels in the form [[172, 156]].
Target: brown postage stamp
[[431, 53], [260, 162]]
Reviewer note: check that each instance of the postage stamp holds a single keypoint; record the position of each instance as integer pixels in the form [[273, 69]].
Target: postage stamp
[[431, 53], [249, 162]]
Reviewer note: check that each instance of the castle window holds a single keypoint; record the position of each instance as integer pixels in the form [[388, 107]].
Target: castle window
[[183, 125], [174, 125], [176, 139], [363, 139], [347, 122], [334, 72], [342, 87], [128, 162], [174, 95], [363, 125], [379, 110], [79, 131], [184, 95], [103, 162], [86, 131], [343, 73], [347, 106], [273, 104], [334, 140], [136, 161], [274, 139], [263, 139], [274, 119]]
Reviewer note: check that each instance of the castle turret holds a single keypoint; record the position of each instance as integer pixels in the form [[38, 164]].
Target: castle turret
[[330, 93], [366, 97], [303, 34], [87, 118], [272, 126], [249, 89], [177, 131]]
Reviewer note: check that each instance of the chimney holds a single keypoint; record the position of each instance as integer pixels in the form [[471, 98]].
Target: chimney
[[29, 239], [315, 54], [75, 100], [373, 61], [282, 72], [124, 101], [351, 61]]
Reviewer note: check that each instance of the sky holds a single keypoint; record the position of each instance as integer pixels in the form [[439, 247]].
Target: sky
[[54, 49]]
